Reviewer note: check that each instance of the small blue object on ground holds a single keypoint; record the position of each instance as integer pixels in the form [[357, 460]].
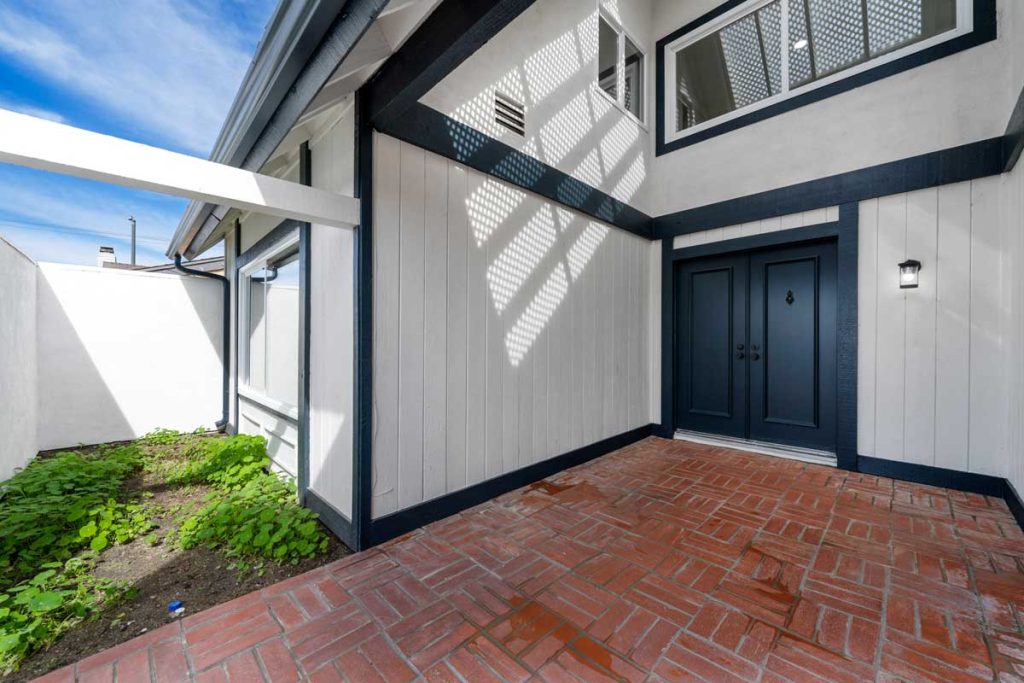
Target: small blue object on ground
[[174, 606]]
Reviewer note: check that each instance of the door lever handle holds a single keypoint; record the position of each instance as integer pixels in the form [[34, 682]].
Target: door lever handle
[[740, 355], [755, 356]]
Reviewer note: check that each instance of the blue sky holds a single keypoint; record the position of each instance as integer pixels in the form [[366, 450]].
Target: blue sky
[[162, 72]]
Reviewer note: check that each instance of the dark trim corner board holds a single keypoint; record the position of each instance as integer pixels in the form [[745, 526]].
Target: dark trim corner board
[[983, 31], [362, 451]]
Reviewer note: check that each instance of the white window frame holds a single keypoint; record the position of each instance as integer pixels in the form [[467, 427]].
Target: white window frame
[[620, 72], [245, 390], [964, 25]]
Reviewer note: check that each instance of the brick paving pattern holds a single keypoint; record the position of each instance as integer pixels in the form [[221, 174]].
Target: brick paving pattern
[[663, 561]]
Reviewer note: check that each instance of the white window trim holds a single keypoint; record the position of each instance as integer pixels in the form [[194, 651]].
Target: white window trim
[[245, 390], [964, 25], [620, 72]]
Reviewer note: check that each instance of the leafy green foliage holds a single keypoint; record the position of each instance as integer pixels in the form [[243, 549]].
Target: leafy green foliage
[[227, 463], [36, 612], [260, 519], [161, 437], [45, 507]]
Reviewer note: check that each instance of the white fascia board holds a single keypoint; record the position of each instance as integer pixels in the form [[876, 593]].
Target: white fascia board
[[50, 146]]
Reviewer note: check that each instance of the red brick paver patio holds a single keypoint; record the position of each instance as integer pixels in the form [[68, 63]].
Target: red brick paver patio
[[663, 561]]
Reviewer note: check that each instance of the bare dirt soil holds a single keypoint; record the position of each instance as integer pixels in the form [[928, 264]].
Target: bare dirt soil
[[161, 572]]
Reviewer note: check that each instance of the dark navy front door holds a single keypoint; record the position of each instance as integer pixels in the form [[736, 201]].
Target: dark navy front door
[[756, 345]]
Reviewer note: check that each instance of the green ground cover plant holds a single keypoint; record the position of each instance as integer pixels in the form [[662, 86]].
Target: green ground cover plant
[[57, 505], [63, 511]]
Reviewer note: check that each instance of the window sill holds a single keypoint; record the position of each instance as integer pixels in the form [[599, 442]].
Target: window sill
[[275, 406], [618, 105]]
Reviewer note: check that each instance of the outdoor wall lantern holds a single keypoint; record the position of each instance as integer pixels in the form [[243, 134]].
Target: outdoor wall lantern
[[909, 271]]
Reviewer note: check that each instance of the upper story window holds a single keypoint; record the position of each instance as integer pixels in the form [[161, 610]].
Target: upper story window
[[766, 52], [620, 67]]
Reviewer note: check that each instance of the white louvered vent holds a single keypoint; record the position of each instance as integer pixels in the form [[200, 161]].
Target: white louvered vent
[[509, 113]]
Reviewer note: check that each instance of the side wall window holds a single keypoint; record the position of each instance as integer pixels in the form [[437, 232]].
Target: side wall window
[[271, 309], [620, 67]]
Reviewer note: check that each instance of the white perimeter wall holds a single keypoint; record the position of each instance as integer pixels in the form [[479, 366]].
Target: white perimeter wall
[[123, 353], [507, 330], [18, 385]]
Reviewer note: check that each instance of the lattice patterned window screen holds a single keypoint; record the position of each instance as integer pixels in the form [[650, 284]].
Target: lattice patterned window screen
[[744, 62]]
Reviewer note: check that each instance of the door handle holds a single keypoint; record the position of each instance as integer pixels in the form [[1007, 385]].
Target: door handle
[[755, 356], [740, 355]]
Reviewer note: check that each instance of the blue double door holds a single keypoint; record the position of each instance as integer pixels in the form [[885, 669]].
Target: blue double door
[[755, 338]]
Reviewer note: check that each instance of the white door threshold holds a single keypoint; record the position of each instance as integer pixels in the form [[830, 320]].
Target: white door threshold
[[773, 449]]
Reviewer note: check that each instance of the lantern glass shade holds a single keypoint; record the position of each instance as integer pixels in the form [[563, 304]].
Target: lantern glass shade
[[909, 274]]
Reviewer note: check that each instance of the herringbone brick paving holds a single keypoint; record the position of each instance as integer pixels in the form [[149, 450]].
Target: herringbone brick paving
[[663, 561]]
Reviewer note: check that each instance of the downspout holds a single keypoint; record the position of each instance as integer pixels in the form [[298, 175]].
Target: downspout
[[221, 424]]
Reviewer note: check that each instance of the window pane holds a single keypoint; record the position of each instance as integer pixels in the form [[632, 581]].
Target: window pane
[[842, 35], [282, 346], [607, 58], [735, 67], [255, 376], [895, 23], [770, 20], [634, 79], [837, 34]]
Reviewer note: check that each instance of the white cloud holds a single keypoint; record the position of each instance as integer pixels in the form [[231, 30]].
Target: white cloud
[[36, 207], [168, 70], [38, 112]]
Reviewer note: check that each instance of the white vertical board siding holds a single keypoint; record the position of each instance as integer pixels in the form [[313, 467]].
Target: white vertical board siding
[[1013, 217], [932, 381], [933, 386], [507, 330], [331, 328]]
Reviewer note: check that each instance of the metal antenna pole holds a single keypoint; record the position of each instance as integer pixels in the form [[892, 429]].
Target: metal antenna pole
[[131, 219]]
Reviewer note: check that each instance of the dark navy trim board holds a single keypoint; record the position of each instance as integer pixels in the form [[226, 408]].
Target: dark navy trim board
[[984, 30], [362, 452], [435, 132], [403, 521], [953, 165]]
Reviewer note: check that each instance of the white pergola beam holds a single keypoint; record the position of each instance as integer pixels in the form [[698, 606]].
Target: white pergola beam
[[49, 146]]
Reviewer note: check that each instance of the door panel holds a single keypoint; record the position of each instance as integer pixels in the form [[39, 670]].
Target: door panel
[[793, 346], [756, 345], [711, 319]]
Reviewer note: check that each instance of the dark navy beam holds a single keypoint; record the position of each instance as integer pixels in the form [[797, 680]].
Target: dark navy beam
[[953, 165], [435, 132], [452, 33]]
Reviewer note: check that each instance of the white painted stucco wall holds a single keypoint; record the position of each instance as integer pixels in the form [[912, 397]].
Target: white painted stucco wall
[[547, 59], [18, 383], [123, 353], [959, 99]]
